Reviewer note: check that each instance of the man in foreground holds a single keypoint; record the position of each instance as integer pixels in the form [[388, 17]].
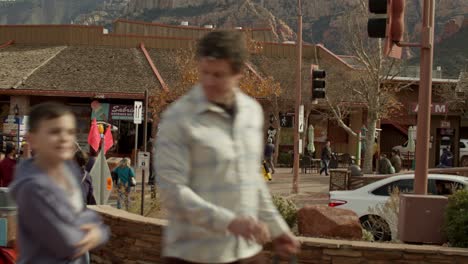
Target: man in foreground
[[208, 156]]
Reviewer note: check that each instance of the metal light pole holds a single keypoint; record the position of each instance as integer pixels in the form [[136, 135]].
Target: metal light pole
[[17, 119], [421, 214], [425, 96], [295, 187], [145, 140]]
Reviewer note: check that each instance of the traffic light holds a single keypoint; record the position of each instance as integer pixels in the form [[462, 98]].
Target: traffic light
[[318, 84], [391, 28]]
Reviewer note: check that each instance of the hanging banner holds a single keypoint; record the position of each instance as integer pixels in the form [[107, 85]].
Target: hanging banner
[[100, 111]]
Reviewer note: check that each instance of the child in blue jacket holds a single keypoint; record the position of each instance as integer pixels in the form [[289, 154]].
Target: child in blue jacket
[[54, 226]]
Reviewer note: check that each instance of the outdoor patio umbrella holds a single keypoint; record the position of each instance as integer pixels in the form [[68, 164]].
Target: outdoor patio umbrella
[[310, 146], [411, 138]]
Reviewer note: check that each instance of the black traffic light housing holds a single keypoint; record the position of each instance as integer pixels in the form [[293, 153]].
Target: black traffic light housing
[[391, 27], [377, 27], [318, 82]]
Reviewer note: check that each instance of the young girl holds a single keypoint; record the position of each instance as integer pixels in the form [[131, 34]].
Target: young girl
[[124, 183], [86, 181], [54, 226]]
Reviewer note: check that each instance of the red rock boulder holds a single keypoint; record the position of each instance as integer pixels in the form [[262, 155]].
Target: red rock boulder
[[324, 221]]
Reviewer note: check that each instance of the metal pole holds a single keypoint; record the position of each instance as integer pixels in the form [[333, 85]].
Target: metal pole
[[145, 140], [136, 149], [18, 147], [377, 162], [425, 96], [295, 187], [102, 179]]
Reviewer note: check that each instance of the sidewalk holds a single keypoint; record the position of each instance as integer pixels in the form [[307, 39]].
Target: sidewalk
[[313, 189]]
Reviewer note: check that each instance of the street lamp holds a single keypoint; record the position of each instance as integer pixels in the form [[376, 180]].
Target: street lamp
[[17, 119]]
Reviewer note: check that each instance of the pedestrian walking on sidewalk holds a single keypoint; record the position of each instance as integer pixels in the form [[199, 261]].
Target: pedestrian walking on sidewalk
[[208, 151], [124, 175], [269, 151], [54, 226], [326, 157]]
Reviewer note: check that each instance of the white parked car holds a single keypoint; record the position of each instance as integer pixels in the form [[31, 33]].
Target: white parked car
[[464, 152], [403, 149], [445, 142], [364, 200]]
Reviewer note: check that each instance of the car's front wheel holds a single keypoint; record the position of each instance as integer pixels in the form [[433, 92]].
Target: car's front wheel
[[377, 226]]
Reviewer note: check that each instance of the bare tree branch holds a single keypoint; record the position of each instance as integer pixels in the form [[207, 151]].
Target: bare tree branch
[[368, 86]]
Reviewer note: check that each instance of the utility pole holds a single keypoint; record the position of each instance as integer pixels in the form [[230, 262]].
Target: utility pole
[[145, 143], [295, 187], [425, 96]]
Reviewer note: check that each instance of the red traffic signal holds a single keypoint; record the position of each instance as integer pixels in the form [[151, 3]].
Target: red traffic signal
[[391, 28]]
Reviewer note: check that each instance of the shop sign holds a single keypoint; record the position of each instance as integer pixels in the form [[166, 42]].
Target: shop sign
[[287, 120], [436, 108], [445, 124], [11, 124], [122, 112]]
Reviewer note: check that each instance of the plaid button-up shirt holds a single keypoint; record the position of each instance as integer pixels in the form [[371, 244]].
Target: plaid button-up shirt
[[208, 168]]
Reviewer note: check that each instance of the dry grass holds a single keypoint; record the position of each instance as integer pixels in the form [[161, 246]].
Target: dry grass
[[389, 211], [152, 206]]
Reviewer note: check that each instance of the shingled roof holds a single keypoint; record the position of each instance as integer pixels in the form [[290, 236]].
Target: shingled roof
[[166, 61], [463, 82], [20, 61], [92, 69], [282, 70]]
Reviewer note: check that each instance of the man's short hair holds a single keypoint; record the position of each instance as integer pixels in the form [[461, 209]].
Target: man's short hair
[[224, 45], [46, 111], [10, 147]]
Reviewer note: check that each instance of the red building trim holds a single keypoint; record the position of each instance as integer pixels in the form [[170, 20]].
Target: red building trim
[[399, 127], [8, 43], [153, 67], [329, 52], [72, 94], [54, 25], [250, 67]]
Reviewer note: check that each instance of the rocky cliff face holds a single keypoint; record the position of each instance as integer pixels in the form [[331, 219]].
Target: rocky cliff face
[[44, 11], [219, 13], [321, 18]]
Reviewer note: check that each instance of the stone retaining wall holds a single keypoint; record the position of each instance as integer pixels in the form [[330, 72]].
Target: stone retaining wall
[[137, 240]]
